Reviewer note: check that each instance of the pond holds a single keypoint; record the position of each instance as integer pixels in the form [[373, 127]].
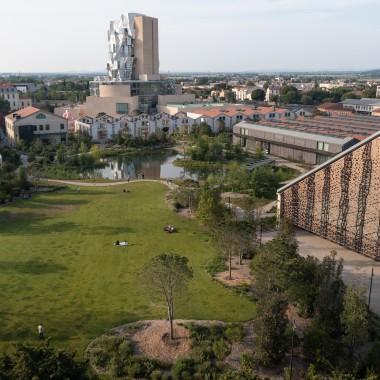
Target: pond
[[152, 165]]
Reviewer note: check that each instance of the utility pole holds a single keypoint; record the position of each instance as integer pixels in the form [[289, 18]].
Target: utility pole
[[370, 289]]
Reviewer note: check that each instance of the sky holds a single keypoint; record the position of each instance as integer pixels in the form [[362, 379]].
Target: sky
[[195, 35]]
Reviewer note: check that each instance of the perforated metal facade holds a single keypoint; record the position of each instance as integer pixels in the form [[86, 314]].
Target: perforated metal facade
[[340, 200]]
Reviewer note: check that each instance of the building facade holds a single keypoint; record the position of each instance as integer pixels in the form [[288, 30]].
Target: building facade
[[31, 123], [339, 200], [11, 94], [312, 148]]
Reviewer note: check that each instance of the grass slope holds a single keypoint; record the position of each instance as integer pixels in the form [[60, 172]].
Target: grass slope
[[59, 266]]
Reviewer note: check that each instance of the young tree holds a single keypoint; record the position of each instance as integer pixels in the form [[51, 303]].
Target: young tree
[[209, 206], [165, 277], [329, 301], [227, 241], [354, 317]]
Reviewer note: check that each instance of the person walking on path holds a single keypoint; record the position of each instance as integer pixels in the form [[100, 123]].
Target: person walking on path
[[41, 330]]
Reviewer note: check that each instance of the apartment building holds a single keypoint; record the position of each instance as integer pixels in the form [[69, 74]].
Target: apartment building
[[11, 94]]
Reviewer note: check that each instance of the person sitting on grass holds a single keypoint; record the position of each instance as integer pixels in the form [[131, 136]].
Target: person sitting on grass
[[117, 242]]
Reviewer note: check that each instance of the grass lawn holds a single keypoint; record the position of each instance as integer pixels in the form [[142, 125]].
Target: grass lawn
[[58, 264]]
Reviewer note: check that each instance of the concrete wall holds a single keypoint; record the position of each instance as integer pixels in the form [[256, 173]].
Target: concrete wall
[[110, 91], [163, 100], [95, 104]]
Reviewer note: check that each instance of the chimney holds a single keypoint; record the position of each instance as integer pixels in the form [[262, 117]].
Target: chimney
[[274, 108]]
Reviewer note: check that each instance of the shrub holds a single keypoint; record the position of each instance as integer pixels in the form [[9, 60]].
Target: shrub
[[320, 348], [234, 333], [221, 349]]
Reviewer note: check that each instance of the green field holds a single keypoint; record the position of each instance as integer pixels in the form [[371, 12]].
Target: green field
[[58, 264]]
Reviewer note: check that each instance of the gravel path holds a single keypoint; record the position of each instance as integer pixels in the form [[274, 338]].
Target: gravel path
[[171, 185]]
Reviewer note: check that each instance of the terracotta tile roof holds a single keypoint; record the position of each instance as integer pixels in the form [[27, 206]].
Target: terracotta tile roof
[[6, 85], [24, 112], [265, 110]]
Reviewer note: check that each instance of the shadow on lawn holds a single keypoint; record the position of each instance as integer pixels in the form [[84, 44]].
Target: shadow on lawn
[[32, 266]]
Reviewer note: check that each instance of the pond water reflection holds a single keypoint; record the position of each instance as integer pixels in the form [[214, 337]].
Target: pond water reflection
[[152, 165]]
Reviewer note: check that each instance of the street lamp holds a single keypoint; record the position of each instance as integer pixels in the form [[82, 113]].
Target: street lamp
[[370, 289]]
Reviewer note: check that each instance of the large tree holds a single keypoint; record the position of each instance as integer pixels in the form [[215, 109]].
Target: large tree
[[258, 94], [164, 278]]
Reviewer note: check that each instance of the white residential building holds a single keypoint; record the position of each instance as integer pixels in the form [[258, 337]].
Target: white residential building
[[11, 94]]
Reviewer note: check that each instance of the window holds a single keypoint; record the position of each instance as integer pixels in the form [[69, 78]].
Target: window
[[121, 108], [244, 131], [34, 127], [323, 146], [272, 115], [41, 116], [47, 126], [41, 127], [62, 126]]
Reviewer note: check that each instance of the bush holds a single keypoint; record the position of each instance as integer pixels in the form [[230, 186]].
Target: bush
[[373, 357], [221, 349], [234, 333], [216, 265], [320, 348], [182, 369]]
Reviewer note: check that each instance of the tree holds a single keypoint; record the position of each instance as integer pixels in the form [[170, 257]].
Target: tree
[[165, 277], [329, 301], [289, 95], [270, 328], [354, 317], [209, 206], [370, 92], [227, 241], [5, 109], [258, 94], [273, 265], [202, 81], [306, 99], [349, 95]]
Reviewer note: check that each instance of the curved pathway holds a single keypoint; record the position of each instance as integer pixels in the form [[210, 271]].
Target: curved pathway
[[171, 185]]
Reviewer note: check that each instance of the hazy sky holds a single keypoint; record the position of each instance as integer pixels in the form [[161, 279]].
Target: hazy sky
[[195, 35]]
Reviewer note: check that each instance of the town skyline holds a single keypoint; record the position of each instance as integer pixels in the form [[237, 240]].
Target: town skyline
[[225, 36]]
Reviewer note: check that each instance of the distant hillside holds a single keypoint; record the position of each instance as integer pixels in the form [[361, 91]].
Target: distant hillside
[[372, 72]]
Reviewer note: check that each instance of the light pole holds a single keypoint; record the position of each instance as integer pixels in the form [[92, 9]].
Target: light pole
[[370, 289], [291, 352]]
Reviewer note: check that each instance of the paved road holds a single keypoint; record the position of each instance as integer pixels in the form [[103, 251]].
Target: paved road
[[356, 267]]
